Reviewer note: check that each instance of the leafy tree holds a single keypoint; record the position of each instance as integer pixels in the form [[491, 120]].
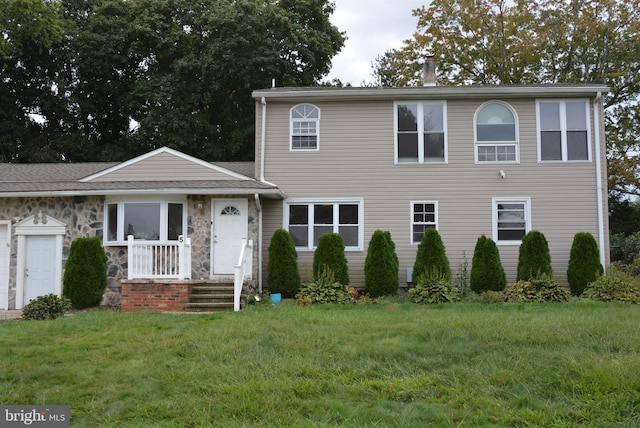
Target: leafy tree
[[381, 266], [534, 259], [431, 257], [85, 274], [330, 255], [487, 272], [539, 41], [30, 32], [584, 262], [282, 269], [180, 71]]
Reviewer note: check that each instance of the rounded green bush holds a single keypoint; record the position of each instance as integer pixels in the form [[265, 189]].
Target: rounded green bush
[[85, 274], [584, 262], [282, 269], [46, 307], [431, 256], [330, 254], [487, 272], [381, 266], [534, 258]]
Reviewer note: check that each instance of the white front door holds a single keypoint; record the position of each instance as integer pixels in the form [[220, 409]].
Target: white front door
[[229, 227], [40, 267], [5, 256]]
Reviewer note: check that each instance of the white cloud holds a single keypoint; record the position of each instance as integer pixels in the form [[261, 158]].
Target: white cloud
[[372, 27]]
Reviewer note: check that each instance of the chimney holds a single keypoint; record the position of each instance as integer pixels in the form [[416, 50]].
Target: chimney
[[429, 71]]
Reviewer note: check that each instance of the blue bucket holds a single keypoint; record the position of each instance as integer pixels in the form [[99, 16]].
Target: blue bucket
[[276, 298]]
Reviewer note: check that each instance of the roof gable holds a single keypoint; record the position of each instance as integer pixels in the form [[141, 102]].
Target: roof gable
[[164, 164]]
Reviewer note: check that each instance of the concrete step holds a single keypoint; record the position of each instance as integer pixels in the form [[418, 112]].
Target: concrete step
[[208, 307], [211, 297]]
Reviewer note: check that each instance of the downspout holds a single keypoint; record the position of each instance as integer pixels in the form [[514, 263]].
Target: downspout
[[263, 143], [599, 189], [259, 206], [263, 137]]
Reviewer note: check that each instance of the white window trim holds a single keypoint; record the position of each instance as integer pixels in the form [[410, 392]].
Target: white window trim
[[292, 120], [336, 202], [563, 129], [515, 143], [412, 223], [121, 201], [494, 217], [421, 159]]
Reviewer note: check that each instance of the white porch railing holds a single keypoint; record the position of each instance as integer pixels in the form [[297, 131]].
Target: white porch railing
[[241, 271], [149, 260]]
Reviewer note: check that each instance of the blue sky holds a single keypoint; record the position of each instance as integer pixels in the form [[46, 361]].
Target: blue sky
[[372, 27]]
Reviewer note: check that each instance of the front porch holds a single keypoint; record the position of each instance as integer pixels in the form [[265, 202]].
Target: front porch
[[159, 278]]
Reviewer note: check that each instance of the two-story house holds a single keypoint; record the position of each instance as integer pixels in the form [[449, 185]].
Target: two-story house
[[465, 160]]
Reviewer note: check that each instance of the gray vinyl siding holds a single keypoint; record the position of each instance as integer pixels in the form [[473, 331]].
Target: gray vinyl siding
[[163, 167], [356, 160]]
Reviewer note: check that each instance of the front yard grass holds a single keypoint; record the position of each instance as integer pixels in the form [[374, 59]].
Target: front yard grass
[[392, 364]]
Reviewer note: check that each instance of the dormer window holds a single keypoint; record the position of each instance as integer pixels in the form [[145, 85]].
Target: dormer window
[[496, 133], [305, 121]]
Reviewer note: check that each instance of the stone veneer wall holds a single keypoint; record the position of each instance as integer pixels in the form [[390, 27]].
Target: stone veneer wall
[[84, 216]]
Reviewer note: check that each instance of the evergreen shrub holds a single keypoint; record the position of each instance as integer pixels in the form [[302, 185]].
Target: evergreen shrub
[[487, 272], [282, 269], [46, 307], [85, 274], [330, 254], [584, 262], [381, 266], [431, 256], [534, 258]]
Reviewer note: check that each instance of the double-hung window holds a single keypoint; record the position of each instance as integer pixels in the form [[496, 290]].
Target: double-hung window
[[563, 130], [496, 133], [424, 215], [307, 220], [145, 219], [305, 121], [511, 219], [421, 132]]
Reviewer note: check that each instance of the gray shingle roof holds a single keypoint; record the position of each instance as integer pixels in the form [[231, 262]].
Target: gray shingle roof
[[63, 178]]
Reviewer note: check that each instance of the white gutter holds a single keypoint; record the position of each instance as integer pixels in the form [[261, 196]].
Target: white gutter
[[599, 189], [259, 206]]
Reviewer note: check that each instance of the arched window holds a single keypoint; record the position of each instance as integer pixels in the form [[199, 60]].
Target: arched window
[[305, 124], [496, 127]]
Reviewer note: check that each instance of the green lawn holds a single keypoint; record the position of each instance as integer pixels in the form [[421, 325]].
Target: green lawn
[[393, 364]]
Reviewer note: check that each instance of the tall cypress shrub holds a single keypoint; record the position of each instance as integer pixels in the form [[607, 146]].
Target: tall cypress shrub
[[431, 256], [534, 258], [330, 254], [584, 262], [487, 272], [85, 274], [381, 266], [396, 261], [282, 269]]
